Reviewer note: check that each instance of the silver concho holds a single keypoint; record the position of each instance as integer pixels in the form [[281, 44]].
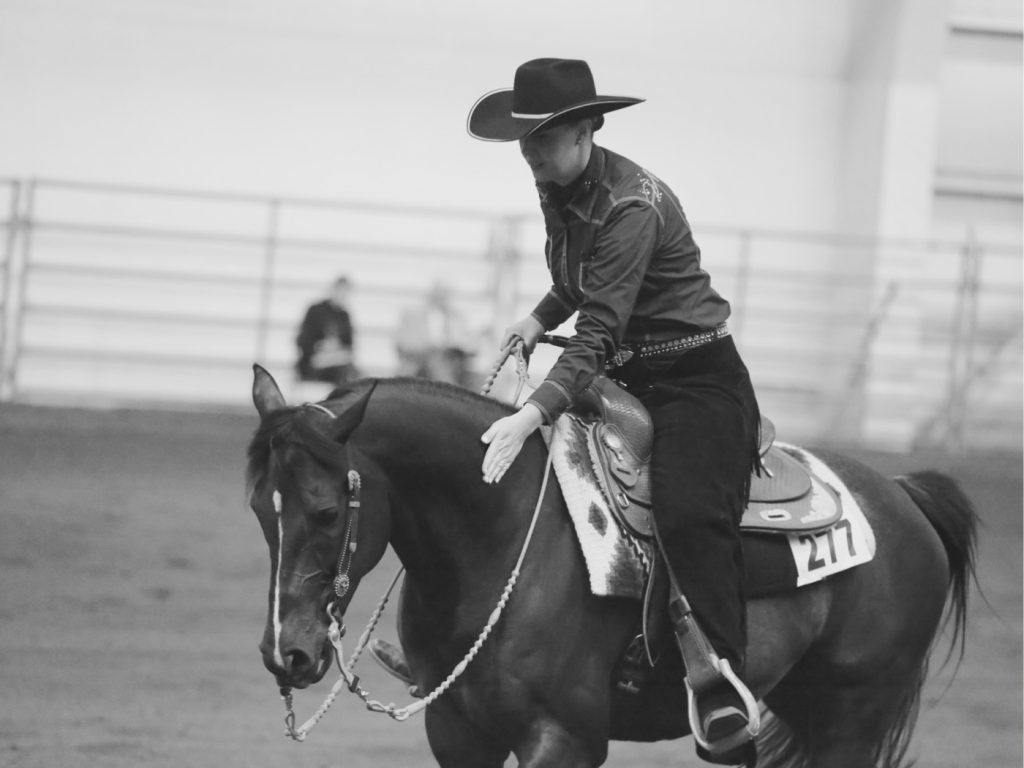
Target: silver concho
[[341, 584]]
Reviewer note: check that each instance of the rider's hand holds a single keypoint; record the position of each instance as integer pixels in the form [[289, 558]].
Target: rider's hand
[[528, 329], [505, 438]]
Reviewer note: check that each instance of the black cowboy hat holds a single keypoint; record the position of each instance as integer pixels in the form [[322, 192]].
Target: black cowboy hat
[[545, 90]]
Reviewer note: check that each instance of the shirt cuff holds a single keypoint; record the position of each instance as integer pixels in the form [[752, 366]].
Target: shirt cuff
[[551, 399]]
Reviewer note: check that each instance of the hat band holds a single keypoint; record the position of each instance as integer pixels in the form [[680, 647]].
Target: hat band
[[530, 116]]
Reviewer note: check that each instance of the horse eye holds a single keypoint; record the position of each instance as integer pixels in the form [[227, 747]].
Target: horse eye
[[325, 516]]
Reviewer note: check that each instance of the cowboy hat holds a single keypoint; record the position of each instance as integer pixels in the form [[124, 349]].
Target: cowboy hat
[[545, 90]]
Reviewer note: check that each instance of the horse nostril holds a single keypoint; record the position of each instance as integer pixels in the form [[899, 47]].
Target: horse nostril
[[293, 662], [297, 663]]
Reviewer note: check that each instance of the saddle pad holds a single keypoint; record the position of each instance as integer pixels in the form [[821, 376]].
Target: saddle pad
[[849, 542], [617, 563]]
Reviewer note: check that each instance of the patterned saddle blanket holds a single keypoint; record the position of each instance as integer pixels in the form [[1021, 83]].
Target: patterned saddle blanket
[[601, 460]]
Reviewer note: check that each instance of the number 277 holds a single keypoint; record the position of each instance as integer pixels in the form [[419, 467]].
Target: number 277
[[819, 557]]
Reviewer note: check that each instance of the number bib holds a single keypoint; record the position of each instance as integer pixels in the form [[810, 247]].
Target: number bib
[[848, 543]]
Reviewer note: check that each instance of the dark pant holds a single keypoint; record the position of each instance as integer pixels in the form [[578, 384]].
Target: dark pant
[[706, 423]]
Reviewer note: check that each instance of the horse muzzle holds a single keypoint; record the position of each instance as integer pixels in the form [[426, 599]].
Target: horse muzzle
[[296, 667]]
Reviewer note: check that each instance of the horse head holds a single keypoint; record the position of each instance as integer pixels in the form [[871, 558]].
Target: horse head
[[305, 491]]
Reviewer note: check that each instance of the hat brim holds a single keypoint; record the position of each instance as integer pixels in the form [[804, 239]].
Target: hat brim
[[491, 118]]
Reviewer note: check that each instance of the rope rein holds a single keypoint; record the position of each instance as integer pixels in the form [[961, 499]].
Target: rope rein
[[515, 348], [348, 678]]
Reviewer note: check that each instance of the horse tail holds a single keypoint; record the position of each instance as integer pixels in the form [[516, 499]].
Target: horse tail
[[952, 515]]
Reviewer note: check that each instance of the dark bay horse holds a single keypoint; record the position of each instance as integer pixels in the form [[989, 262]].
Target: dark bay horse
[[838, 665]]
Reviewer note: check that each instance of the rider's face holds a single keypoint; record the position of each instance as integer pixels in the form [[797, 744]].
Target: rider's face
[[556, 154]]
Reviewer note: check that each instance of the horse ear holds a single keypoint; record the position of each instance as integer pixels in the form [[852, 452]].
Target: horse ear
[[266, 395], [350, 418]]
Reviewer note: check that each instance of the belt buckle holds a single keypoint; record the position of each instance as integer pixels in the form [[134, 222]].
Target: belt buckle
[[620, 358]]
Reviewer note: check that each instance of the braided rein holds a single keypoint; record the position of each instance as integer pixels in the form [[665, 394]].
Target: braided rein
[[515, 348]]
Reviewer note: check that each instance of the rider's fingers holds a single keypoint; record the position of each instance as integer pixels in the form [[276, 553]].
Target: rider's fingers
[[488, 436], [491, 466], [497, 460], [510, 339]]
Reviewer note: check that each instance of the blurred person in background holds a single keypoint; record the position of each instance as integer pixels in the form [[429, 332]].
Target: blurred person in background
[[433, 340], [325, 338]]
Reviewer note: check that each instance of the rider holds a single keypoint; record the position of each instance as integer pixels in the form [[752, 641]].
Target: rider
[[622, 256]]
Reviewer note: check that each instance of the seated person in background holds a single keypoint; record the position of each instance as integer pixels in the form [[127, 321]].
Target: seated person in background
[[325, 339], [433, 341]]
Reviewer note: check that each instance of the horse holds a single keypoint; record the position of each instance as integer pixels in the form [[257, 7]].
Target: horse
[[838, 666]]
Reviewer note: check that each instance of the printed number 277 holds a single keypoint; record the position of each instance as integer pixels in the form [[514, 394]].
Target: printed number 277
[[819, 556]]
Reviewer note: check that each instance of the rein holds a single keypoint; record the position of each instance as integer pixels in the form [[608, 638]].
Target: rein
[[336, 630]]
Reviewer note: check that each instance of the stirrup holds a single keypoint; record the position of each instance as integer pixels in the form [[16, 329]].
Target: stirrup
[[738, 737], [392, 660]]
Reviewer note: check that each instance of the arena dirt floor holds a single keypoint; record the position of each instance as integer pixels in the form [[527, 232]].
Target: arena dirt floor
[[134, 587]]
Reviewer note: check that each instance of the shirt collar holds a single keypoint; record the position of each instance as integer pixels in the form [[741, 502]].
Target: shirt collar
[[577, 196]]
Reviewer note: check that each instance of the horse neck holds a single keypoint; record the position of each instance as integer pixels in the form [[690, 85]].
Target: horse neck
[[412, 426], [426, 442]]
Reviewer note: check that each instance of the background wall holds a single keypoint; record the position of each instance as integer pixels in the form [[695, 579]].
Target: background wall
[[368, 100], [852, 169]]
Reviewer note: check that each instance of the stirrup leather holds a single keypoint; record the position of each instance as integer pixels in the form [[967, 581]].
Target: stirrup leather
[[706, 670]]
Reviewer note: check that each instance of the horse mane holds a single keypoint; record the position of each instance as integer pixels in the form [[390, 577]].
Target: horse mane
[[294, 427], [435, 389]]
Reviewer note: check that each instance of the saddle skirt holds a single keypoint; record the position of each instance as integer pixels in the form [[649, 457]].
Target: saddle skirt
[[601, 457]]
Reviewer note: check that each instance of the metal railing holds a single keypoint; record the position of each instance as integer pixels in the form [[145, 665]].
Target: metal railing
[[131, 294]]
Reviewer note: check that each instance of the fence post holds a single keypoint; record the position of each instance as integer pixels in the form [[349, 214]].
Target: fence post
[[15, 285], [961, 357], [853, 394], [504, 255], [267, 281], [7, 304]]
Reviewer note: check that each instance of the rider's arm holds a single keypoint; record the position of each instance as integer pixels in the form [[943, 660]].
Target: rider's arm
[[610, 284]]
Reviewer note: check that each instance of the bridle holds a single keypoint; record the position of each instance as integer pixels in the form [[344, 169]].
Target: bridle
[[342, 583]]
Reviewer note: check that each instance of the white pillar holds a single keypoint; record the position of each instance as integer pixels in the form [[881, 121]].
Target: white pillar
[[887, 193]]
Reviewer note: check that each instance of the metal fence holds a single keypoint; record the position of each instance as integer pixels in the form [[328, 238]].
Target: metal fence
[[130, 295]]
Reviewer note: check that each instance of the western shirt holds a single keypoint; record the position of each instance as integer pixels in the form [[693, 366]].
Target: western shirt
[[622, 255]]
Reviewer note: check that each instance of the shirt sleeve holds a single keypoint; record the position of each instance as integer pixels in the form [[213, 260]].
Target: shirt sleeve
[[610, 285], [553, 310]]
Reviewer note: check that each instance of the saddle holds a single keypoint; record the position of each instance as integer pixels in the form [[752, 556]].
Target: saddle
[[601, 452], [620, 437]]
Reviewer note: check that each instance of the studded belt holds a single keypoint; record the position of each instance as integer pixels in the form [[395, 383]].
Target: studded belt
[[682, 343]]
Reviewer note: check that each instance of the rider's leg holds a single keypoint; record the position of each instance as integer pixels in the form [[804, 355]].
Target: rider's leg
[[697, 501], [704, 449]]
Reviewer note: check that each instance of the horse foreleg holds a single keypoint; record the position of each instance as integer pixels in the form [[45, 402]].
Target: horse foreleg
[[458, 743], [548, 744]]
